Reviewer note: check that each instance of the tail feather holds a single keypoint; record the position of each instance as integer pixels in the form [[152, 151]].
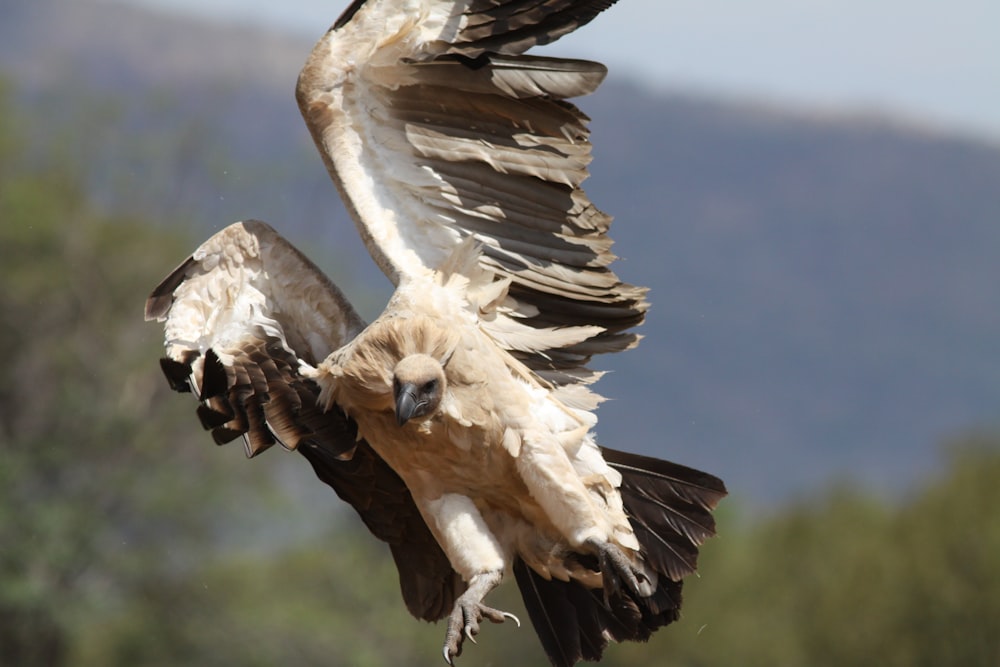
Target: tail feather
[[666, 553], [573, 622], [556, 619], [666, 481], [669, 506], [691, 521]]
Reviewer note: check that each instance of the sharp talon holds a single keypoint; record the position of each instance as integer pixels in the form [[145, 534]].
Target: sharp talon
[[507, 614], [469, 613]]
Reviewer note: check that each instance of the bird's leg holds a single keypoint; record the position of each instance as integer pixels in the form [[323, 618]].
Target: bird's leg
[[469, 610], [475, 553], [616, 570]]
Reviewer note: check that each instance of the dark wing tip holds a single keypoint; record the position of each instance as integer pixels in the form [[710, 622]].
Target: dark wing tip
[[178, 374], [348, 14], [514, 26], [215, 381], [162, 297]]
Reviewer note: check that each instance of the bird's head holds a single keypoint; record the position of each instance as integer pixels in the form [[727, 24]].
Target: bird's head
[[418, 385]]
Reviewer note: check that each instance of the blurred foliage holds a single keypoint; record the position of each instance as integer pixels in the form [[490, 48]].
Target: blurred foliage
[[846, 579], [95, 498], [117, 519]]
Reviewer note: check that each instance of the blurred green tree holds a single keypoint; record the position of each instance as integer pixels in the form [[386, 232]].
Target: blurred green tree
[[849, 579], [94, 497]]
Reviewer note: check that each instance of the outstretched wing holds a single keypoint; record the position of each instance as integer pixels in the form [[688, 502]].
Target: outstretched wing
[[436, 127], [247, 317]]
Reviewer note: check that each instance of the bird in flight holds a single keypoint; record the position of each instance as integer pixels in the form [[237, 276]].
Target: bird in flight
[[458, 424]]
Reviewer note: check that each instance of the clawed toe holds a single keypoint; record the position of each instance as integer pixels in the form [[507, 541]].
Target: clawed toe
[[464, 624], [616, 570]]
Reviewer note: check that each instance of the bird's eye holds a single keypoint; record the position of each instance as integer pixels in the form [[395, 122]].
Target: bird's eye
[[430, 386]]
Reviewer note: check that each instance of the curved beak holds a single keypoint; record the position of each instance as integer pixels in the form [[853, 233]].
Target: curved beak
[[406, 403]]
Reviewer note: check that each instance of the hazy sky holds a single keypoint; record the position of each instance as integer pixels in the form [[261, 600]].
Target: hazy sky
[[929, 60]]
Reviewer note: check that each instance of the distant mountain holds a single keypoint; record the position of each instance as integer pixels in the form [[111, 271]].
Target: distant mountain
[[824, 289]]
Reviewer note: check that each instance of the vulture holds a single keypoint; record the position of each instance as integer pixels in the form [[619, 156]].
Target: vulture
[[459, 424]]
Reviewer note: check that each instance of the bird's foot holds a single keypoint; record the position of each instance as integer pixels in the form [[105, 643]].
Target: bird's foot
[[617, 570], [469, 610]]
